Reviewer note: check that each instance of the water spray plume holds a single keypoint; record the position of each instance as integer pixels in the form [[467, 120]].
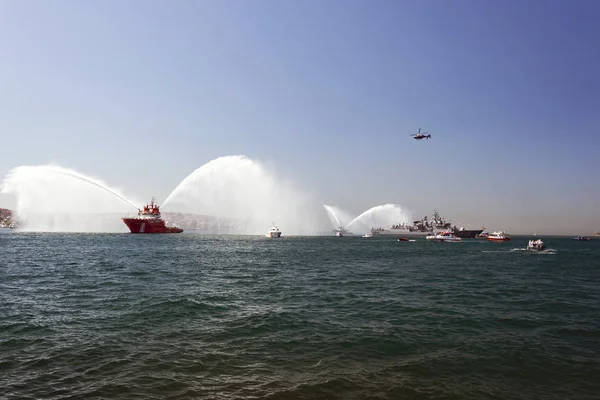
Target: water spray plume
[[382, 216], [243, 196], [97, 184], [337, 216], [52, 198], [245, 193]]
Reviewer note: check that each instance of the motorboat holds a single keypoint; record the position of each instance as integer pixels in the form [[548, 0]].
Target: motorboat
[[339, 234], [499, 236], [367, 235], [582, 238], [482, 235], [402, 239], [273, 232], [536, 245], [445, 236]]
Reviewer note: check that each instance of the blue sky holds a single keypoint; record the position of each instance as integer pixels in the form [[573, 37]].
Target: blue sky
[[328, 91]]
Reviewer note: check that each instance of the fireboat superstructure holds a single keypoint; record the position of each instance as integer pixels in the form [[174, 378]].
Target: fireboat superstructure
[[149, 220]]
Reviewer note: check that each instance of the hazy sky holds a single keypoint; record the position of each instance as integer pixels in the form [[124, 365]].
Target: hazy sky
[[141, 93]]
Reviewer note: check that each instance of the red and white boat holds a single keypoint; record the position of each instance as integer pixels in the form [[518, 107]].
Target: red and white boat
[[483, 234], [500, 236], [149, 220]]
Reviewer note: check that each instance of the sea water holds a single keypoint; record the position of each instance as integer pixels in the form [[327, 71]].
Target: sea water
[[124, 316]]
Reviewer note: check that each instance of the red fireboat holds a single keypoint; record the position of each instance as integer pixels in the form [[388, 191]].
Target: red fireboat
[[148, 220]]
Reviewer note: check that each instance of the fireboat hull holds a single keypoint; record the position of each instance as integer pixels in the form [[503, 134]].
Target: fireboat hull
[[140, 225]]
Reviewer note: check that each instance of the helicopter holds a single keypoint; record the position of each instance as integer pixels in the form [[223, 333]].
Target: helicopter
[[420, 135]]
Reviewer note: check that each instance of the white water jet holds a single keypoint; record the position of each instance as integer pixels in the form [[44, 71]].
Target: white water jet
[[337, 216], [232, 194], [383, 216], [245, 197], [55, 199]]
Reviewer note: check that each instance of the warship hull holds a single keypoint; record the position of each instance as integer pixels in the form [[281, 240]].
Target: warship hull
[[467, 233]]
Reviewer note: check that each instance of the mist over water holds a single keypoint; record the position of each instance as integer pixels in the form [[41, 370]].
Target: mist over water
[[382, 216], [250, 194], [247, 195], [55, 199], [337, 216]]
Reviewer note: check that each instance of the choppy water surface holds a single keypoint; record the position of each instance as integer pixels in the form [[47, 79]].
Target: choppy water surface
[[124, 316]]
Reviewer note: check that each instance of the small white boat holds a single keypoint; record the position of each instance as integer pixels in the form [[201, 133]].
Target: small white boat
[[536, 245], [339, 234], [446, 236], [274, 232], [366, 235]]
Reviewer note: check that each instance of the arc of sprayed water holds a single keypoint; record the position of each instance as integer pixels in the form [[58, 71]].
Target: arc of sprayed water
[[98, 185], [357, 218], [330, 211], [371, 210]]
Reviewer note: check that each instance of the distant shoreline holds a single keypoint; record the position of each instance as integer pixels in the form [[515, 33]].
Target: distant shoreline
[[6, 221]]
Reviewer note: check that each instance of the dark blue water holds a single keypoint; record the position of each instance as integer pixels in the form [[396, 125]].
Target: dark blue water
[[122, 316]]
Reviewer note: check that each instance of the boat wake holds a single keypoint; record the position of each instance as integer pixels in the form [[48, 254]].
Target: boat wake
[[545, 251]]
